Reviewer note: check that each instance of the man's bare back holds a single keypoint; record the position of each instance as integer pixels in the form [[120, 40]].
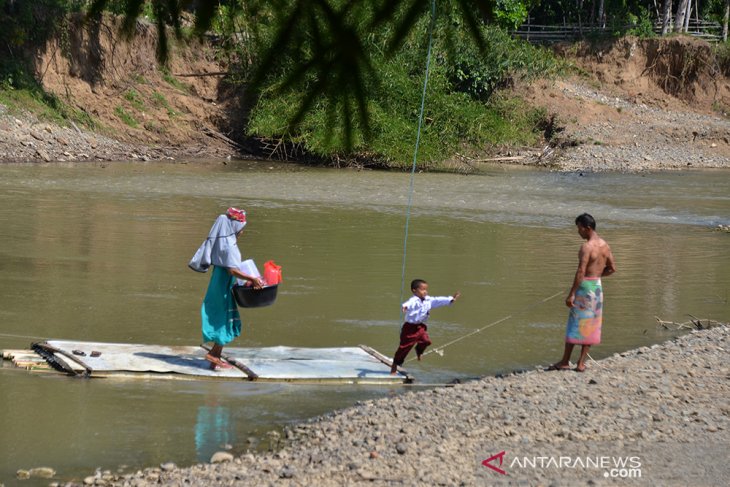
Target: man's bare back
[[600, 259], [595, 259]]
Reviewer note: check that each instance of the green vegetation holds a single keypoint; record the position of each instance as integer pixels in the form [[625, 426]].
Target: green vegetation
[[465, 110], [159, 100], [135, 99], [25, 26], [45, 106], [125, 117], [641, 22], [722, 52], [173, 81]]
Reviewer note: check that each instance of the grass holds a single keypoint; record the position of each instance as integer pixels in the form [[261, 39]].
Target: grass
[[125, 117], [46, 106], [159, 100], [133, 97], [172, 81]]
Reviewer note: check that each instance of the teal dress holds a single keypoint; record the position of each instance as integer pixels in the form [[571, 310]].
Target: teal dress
[[221, 321]]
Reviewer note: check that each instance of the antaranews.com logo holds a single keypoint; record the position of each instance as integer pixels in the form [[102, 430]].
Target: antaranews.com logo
[[612, 466]]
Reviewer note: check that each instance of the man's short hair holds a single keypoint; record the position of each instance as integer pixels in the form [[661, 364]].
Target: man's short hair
[[416, 283], [586, 220]]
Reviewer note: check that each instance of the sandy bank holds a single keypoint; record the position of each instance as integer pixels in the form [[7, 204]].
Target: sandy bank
[[653, 416]]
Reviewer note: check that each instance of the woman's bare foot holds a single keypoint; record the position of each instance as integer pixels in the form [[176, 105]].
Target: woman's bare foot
[[217, 363]]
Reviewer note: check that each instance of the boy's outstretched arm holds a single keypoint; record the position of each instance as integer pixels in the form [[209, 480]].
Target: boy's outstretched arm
[[456, 295]]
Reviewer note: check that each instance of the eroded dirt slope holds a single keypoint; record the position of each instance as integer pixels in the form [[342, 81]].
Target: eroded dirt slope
[[640, 104], [122, 88]]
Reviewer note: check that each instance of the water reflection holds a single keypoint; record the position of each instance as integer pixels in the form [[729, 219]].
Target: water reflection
[[213, 429]]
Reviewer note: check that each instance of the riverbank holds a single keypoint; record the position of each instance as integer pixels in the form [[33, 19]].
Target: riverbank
[[26, 139], [656, 415], [617, 116], [613, 133]]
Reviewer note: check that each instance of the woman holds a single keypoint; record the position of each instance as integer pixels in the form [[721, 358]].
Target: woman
[[221, 321]]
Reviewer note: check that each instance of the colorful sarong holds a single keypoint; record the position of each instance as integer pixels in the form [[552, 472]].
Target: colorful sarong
[[586, 315], [221, 321]]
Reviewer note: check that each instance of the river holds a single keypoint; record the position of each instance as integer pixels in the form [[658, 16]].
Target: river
[[99, 252]]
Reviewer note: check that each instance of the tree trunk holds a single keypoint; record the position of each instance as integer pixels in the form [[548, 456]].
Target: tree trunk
[[579, 7], [681, 13], [688, 16], [593, 14], [725, 19], [602, 14], [667, 16]]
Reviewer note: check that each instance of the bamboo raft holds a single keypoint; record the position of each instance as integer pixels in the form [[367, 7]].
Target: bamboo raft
[[345, 365]]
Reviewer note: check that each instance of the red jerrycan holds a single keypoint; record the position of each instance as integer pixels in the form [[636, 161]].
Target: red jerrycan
[[272, 273]]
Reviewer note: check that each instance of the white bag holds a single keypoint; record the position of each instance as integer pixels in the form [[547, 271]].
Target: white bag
[[248, 267]]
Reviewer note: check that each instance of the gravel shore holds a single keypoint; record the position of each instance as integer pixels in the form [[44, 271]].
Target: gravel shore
[[656, 415], [644, 138], [25, 139]]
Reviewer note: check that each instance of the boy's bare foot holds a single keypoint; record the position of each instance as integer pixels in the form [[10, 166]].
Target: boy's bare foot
[[580, 368], [393, 372]]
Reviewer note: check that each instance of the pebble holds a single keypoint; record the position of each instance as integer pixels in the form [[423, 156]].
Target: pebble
[[42, 472], [546, 413], [221, 456], [287, 472]]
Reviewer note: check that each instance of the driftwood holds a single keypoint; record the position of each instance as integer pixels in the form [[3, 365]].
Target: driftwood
[[504, 158], [693, 324], [220, 136], [201, 75]]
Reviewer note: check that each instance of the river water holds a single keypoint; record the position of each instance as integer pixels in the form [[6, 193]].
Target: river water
[[99, 253]]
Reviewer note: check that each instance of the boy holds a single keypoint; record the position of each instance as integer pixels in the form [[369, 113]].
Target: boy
[[414, 330]]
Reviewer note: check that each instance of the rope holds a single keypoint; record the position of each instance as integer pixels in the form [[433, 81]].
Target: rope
[[440, 349], [415, 151]]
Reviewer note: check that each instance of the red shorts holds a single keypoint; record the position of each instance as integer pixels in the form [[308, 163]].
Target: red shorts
[[411, 334]]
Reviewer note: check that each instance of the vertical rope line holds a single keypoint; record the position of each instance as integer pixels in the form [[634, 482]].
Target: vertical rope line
[[415, 152]]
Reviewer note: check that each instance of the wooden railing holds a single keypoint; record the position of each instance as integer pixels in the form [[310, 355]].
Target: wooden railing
[[548, 34]]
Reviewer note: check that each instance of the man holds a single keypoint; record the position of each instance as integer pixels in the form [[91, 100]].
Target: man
[[585, 299]]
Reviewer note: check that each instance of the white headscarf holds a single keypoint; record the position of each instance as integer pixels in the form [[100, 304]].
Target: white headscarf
[[220, 248]]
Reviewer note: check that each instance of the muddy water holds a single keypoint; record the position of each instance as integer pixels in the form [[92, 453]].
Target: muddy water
[[99, 253]]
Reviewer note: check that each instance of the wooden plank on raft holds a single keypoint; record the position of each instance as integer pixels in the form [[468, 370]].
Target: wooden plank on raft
[[344, 365], [9, 354], [387, 361], [70, 365], [235, 362], [25, 359]]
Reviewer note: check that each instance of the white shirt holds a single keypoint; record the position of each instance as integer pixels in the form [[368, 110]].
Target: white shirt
[[417, 310]]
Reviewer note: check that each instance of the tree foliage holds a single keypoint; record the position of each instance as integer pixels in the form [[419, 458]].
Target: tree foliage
[[461, 112]]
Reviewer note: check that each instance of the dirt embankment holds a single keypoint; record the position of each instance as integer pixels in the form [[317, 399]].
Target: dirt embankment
[[641, 104], [140, 110]]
